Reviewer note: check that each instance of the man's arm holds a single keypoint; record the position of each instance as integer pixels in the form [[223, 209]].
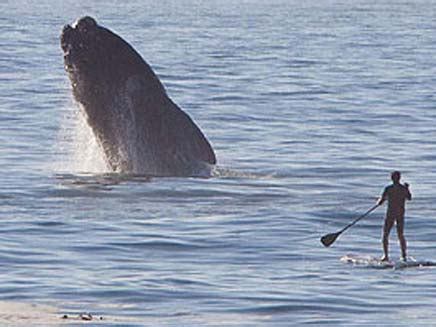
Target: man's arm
[[408, 194], [383, 197]]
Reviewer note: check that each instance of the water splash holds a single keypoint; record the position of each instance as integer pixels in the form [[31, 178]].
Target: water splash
[[77, 143]]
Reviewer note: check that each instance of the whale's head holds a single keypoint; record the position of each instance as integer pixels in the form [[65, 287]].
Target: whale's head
[[102, 66], [97, 61]]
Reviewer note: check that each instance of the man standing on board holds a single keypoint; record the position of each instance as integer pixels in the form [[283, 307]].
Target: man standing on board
[[396, 194]]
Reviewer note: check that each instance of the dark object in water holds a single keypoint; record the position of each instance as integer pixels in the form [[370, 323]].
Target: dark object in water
[[140, 129]]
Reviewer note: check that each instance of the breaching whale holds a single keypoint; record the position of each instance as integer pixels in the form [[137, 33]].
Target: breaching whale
[[138, 127]]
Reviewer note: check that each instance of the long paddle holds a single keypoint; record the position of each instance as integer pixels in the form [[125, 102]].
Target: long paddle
[[329, 239]]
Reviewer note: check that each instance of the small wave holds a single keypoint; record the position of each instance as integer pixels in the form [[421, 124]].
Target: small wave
[[159, 245], [99, 181], [224, 172], [305, 308]]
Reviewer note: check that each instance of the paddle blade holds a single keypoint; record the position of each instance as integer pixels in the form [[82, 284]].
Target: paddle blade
[[329, 239]]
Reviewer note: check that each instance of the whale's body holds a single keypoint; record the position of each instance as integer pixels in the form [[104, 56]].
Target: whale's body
[[139, 128]]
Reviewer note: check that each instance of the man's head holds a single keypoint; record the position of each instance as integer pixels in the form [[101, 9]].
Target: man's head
[[396, 176]]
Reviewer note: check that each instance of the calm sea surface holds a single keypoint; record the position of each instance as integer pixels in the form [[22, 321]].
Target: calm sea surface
[[309, 106]]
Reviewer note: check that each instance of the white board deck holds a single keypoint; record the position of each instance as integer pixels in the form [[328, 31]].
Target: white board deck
[[374, 262]]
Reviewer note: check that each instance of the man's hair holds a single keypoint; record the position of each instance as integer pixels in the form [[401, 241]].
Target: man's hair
[[396, 175]]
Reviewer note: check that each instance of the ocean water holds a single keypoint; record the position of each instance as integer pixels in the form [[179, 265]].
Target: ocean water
[[308, 104]]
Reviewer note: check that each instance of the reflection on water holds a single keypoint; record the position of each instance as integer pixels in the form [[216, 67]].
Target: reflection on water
[[309, 106]]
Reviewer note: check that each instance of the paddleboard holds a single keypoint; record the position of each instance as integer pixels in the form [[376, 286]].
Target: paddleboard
[[374, 262]]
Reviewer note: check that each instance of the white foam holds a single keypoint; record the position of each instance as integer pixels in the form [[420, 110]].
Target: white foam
[[79, 148], [373, 262]]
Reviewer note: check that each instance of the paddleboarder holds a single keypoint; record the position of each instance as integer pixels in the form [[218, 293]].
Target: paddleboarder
[[396, 195]]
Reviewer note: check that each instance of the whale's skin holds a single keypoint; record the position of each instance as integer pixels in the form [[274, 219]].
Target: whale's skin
[[139, 128]]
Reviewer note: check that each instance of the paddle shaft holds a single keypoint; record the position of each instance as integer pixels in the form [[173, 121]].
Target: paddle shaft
[[358, 218]]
